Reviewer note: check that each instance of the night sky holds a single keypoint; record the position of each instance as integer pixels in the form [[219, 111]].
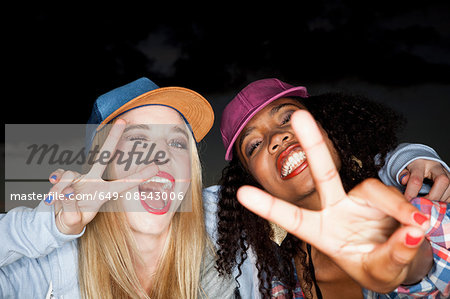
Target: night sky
[[59, 60]]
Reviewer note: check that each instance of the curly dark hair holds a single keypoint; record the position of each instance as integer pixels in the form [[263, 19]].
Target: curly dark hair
[[360, 129]]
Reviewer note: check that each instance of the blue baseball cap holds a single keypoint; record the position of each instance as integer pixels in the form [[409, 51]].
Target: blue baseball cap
[[106, 104], [194, 108]]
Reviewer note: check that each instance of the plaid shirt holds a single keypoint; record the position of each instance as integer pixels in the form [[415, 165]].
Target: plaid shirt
[[436, 283]]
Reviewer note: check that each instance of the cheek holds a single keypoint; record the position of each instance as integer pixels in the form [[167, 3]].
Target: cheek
[[181, 164], [180, 167], [263, 173]]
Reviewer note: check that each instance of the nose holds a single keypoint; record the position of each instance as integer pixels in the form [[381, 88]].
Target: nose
[[277, 140]]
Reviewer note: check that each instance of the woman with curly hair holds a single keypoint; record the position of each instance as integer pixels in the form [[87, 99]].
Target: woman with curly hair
[[363, 250]]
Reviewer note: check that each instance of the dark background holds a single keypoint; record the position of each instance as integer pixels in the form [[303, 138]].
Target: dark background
[[59, 59]]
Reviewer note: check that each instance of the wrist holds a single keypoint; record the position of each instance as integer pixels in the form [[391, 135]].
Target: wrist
[[65, 229]]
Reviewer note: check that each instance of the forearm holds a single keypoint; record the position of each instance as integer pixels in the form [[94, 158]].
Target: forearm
[[402, 156], [29, 232]]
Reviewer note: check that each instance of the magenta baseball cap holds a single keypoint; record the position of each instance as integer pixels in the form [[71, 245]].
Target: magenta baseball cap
[[250, 101]]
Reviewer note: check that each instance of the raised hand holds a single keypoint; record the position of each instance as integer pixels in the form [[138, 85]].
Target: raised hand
[[358, 230], [73, 215]]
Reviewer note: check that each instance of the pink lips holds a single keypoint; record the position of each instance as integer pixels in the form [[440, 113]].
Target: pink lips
[[283, 156], [166, 208]]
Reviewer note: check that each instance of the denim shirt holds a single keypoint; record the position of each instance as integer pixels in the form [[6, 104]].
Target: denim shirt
[[34, 254]]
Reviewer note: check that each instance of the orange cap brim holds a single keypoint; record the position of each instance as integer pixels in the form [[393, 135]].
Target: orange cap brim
[[194, 107]]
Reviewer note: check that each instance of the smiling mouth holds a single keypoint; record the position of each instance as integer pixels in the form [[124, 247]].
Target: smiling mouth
[[154, 193], [291, 161]]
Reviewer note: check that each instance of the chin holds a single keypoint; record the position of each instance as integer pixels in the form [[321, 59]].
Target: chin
[[301, 195], [149, 224]]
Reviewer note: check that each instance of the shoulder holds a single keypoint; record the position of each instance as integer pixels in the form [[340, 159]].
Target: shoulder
[[212, 284], [58, 270], [210, 201], [211, 194]]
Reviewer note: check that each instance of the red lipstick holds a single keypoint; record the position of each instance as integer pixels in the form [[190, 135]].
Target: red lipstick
[[155, 192], [285, 155]]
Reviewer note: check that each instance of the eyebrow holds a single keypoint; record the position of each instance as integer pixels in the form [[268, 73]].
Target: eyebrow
[[277, 108], [134, 127], [176, 129]]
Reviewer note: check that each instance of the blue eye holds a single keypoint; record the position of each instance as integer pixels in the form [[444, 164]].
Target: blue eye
[[181, 144]]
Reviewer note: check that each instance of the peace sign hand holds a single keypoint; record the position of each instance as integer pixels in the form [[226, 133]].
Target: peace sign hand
[[357, 230], [73, 215]]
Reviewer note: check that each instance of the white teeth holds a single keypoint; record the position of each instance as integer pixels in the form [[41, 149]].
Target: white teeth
[[294, 160], [157, 179]]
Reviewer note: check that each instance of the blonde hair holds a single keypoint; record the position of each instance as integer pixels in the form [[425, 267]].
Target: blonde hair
[[107, 251]]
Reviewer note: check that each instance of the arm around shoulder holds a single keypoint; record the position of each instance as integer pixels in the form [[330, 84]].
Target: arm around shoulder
[[401, 157]]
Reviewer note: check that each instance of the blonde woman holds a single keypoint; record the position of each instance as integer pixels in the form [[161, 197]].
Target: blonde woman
[[125, 243]]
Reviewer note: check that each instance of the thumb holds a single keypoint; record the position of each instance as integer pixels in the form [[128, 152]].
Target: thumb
[[68, 219], [389, 261]]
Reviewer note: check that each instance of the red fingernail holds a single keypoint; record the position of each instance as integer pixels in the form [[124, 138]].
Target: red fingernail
[[412, 241], [420, 218]]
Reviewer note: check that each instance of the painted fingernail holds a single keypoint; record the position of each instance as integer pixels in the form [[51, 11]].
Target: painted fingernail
[[402, 177], [48, 199], [412, 241], [68, 195], [53, 177], [419, 218]]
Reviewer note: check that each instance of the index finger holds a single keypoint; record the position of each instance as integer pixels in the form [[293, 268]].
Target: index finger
[[303, 223], [415, 182], [124, 184], [109, 146], [323, 169], [440, 185]]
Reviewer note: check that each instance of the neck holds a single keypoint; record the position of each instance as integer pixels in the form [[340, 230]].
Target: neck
[[310, 201], [149, 248]]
